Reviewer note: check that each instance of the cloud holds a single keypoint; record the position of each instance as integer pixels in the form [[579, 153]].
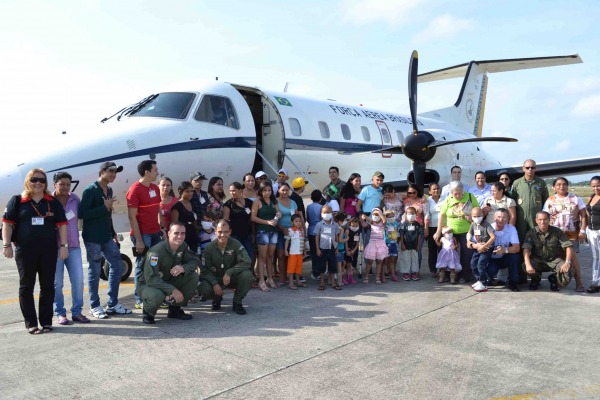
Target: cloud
[[563, 145], [443, 27], [393, 12], [587, 107], [582, 85]]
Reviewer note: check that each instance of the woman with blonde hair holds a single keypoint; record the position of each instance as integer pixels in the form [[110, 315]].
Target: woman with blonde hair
[[34, 221]]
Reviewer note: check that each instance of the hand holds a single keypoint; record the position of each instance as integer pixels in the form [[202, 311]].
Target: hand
[[177, 295], [218, 290], [116, 239], [565, 268], [272, 222], [426, 232], [278, 215], [403, 248], [108, 203], [8, 252], [63, 254], [582, 237], [437, 235], [287, 253], [363, 217], [177, 270], [499, 250], [482, 249], [319, 254], [139, 246], [529, 269], [226, 280], [336, 252]]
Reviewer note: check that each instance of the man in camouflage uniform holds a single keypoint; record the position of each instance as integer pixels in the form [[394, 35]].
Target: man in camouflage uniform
[[169, 275], [226, 264], [547, 249]]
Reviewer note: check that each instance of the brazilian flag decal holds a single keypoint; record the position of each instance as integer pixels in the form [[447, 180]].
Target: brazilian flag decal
[[283, 101]]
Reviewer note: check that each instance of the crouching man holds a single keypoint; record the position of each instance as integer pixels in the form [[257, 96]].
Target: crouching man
[[226, 264], [169, 275]]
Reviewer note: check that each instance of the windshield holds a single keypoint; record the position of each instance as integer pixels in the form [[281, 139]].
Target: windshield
[[167, 105]]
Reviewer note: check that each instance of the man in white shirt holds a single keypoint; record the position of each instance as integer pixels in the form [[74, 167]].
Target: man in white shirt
[[506, 249], [455, 175]]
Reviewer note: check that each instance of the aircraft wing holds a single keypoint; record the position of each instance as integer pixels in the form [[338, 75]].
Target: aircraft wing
[[550, 169]]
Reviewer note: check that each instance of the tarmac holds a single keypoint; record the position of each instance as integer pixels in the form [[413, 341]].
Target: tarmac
[[407, 340]]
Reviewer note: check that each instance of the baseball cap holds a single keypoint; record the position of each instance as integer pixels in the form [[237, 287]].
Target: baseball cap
[[379, 174], [259, 174], [282, 171], [197, 175], [298, 182], [110, 165]]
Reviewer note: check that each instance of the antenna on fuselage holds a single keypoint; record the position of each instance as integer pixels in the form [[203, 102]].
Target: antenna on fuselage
[[287, 84], [216, 78]]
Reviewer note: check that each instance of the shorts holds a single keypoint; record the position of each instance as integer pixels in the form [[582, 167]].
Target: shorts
[[265, 238], [352, 259], [392, 249], [340, 257], [280, 241], [294, 264], [327, 261], [376, 250]]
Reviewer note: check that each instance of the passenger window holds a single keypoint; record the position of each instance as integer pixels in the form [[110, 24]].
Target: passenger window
[[400, 137], [366, 134], [217, 110], [296, 129], [346, 132], [324, 130], [385, 135]]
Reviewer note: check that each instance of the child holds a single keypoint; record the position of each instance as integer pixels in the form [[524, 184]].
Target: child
[[352, 251], [391, 240], [480, 238], [448, 257], [410, 240], [313, 216], [340, 219], [391, 201], [326, 234], [376, 249], [294, 241], [207, 230]]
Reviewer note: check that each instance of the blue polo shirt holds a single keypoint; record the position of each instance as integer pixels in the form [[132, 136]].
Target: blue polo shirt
[[371, 198]]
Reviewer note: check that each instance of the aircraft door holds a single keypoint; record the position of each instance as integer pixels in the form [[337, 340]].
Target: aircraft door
[[273, 137], [386, 137]]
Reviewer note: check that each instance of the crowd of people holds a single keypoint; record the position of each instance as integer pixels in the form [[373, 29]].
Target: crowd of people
[[197, 243]]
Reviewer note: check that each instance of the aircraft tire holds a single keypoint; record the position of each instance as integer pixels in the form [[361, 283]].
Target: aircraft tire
[[127, 268]]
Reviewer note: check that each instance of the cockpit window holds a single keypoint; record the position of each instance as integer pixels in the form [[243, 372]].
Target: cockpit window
[[217, 110], [167, 105]]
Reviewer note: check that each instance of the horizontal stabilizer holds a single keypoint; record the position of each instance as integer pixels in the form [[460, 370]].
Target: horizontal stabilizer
[[550, 169]]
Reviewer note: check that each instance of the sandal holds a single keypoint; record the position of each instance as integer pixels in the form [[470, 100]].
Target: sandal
[[34, 331], [580, 289], [593, 289], [378, 282], [47, 329], [300, 284], [263, 286], [293, 287], [321, 287], [366, 281], [272, 284], [337, 287]]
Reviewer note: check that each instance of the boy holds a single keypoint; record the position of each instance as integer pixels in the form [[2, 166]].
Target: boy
[[207, 231], [391, 240], [480, 238], [326, 234], [351, 257], [340, 219], [294, 241], [313, 216], [411, 233]]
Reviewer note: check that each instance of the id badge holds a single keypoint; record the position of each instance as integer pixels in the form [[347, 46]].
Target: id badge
[[438, 207], [327, 231], [353, 203], [411, 228], [70, 215], [152, 193], [202, 200], [477, 232], [247, 210], [37, 221]]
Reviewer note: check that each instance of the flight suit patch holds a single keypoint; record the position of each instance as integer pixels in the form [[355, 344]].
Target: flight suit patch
[[153, 261]]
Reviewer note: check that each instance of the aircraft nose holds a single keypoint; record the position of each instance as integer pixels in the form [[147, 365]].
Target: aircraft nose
[[11, 183]]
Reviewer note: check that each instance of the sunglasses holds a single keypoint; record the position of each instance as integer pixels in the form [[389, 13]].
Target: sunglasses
[[529, 168], [36, 180], [411, 193]]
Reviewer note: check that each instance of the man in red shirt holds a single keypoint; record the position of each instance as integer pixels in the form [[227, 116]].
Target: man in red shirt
[[143, 206]]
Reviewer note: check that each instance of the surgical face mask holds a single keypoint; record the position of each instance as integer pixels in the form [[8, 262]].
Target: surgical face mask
[[376, 218], [206, 225], [327, 216], [448, 236], [354, 228], [477, 220], [391, 218], [411, 217]]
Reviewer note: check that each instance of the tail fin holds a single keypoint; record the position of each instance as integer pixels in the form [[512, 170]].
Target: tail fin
[[467, 113]]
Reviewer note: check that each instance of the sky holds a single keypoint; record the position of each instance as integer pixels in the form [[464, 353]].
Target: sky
[[66, 64]]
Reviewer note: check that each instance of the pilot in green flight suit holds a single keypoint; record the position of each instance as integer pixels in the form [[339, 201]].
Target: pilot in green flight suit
[[226, 264], [530, 194], [169, 275]]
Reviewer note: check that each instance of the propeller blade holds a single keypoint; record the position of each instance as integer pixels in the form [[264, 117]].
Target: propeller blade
[[419, 174], [391, 149], [440, 143], [413, 71]]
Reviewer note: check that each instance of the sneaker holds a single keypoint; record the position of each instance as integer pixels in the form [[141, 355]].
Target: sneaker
[[98, 312], [315, 277], [118, 309], [165, 304], [479, 287], [302, 279], [345, 281], [475, 284], [138, 306], [414, 277], [406, 277], [352, 280]]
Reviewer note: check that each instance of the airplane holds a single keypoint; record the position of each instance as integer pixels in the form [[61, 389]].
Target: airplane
[[227, 130]]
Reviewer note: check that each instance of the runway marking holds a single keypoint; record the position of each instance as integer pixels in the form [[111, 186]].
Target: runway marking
[[575, 393], [65, 292]]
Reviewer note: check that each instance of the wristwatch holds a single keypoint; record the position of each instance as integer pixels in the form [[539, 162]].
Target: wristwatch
[[64, 245]]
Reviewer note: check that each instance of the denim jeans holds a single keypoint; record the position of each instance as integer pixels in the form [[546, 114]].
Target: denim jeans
[[149, 239], [111, 253], [511, 261], [479, 265], [247, 243], [75, 269]]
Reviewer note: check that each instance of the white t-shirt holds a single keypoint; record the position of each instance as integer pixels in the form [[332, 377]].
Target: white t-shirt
[[505, 238]]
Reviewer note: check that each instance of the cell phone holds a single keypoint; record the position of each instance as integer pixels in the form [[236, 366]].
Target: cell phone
[[136, 253]]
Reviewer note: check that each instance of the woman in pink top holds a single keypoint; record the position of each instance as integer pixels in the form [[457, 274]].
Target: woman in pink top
[[349, 195], [167, 199]]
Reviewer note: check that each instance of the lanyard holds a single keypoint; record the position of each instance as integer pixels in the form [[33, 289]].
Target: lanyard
[[48, 214]]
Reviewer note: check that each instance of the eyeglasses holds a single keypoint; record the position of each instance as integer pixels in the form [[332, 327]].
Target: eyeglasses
[[177, 233], [36, 180], [529, 168], [411, 193]]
